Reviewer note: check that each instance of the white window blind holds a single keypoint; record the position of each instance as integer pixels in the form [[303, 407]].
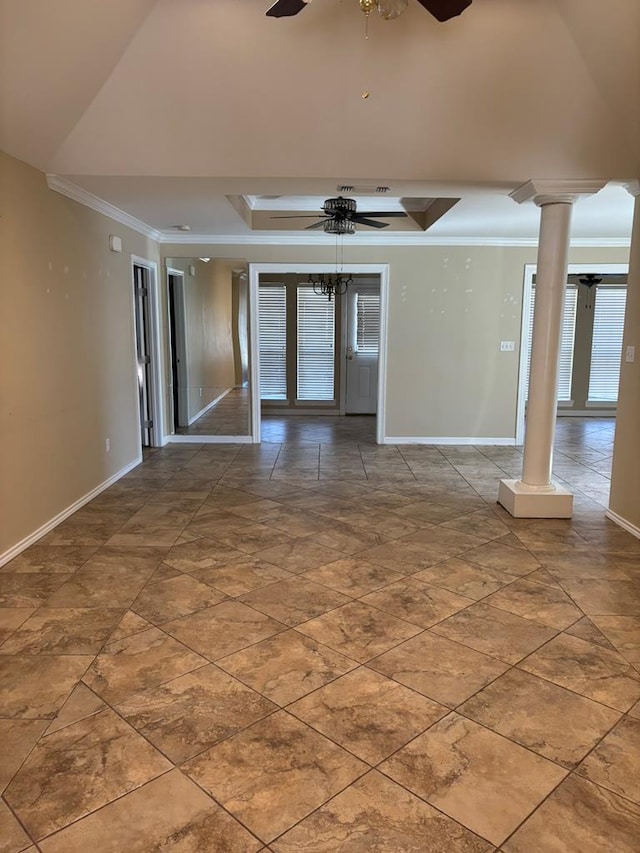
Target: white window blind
[[272, 301], [367, 322], [606, 349], [316, 345], [565, 371]]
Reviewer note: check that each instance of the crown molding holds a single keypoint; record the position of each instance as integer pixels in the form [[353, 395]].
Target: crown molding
[[397, 239], [73, 191], [633, 187], [556, 192]]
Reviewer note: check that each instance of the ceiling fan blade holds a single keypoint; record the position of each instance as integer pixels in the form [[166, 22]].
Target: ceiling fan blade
[[286, 8], [444, 10], [384, 214], [298, 216], [318, 224], [362, 220]]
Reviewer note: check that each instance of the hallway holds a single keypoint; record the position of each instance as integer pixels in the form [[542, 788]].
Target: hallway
[[320, 644]]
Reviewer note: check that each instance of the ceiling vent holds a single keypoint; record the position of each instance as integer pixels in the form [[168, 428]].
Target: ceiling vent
[[362, 189]]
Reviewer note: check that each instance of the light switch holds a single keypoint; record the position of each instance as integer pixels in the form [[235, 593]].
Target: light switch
[[630, 354], [507, 346]]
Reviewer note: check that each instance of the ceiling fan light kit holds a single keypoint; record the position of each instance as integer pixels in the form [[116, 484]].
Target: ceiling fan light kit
[[442, 10]]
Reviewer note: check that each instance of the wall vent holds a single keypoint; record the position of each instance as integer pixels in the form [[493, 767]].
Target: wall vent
[[362, 189]]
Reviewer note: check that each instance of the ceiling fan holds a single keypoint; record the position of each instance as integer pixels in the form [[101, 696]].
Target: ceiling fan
[[443, 10], [341, 217]]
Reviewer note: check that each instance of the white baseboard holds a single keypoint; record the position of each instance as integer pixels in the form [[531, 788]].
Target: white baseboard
[[587, 413], [447, 440], [58, 519], [209, 439], [209, 406], [622, 522]]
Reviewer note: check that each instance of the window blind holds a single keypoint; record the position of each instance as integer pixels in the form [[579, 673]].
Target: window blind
[[565, 370], [316, 346], [606, 349], [272, 302], [367, 322]]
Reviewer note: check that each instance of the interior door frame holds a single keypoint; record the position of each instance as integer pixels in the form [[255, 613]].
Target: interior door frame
[[181, 346], [255, 270], [158, 434], [344, 340], [529, 272]]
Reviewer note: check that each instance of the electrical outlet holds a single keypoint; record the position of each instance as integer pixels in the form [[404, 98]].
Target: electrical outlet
[[507, 346], [201, 392], [107, 445], [630, 354]]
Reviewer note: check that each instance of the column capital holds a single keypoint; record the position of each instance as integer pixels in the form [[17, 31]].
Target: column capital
[[633, 187], [544, 191]]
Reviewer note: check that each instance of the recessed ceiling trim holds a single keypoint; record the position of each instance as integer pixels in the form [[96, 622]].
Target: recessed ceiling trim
[[73, 191], [397, 239]]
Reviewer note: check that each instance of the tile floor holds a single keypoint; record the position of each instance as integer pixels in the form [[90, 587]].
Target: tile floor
[[230, 416], [319, 645]]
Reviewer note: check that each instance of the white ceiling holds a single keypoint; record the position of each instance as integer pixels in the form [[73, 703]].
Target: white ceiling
[[165, 107]]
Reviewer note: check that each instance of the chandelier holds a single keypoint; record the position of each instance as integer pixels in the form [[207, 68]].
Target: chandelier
[[330, 285], [387, 9]]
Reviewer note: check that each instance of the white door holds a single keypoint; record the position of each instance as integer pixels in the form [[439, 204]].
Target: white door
[[363, 335]]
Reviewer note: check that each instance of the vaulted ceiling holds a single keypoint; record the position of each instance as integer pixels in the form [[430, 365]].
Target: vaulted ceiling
[[166, 107]]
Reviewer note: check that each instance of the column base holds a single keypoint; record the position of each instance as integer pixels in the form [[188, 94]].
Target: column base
[[520, 502]]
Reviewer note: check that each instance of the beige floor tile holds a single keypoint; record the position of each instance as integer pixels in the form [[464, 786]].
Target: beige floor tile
[[130, 624], [70, 631], [482, 523], [295, 600], [35, 686], [28, 589], [358, 631], [615, 762], [374, 815], [353, 576], [585, 629], [367, 713], [98, 589], [606, 597], [49, 558], [193, 712], [590, 670], [300, 555], [417, 602], [201, 553], [138, 662], [252, 538], [241, 576], [635, 711], [464, 578], [505, 558], [624, 634], [82, 703], [139, 560], [439, 668], [304, 770], [223, 629], [579, 816], [13, 838], [479, 778], [495, 632], [78, 769], [168, 813], [18, 737], [547, 719], [543, 604], [11, 618], [178, 596], [347, 539], [287, 666]]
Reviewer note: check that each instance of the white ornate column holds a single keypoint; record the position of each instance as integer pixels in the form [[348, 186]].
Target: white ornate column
[[624, 499], [535, 495]]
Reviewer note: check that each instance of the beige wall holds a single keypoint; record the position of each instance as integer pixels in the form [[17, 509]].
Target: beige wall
[[68, 378], [449, 308], [625, 480]]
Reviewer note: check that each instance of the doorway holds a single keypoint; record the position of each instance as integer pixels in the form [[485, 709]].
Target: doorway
[[147, 367], [177, 350], [358, 382]]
